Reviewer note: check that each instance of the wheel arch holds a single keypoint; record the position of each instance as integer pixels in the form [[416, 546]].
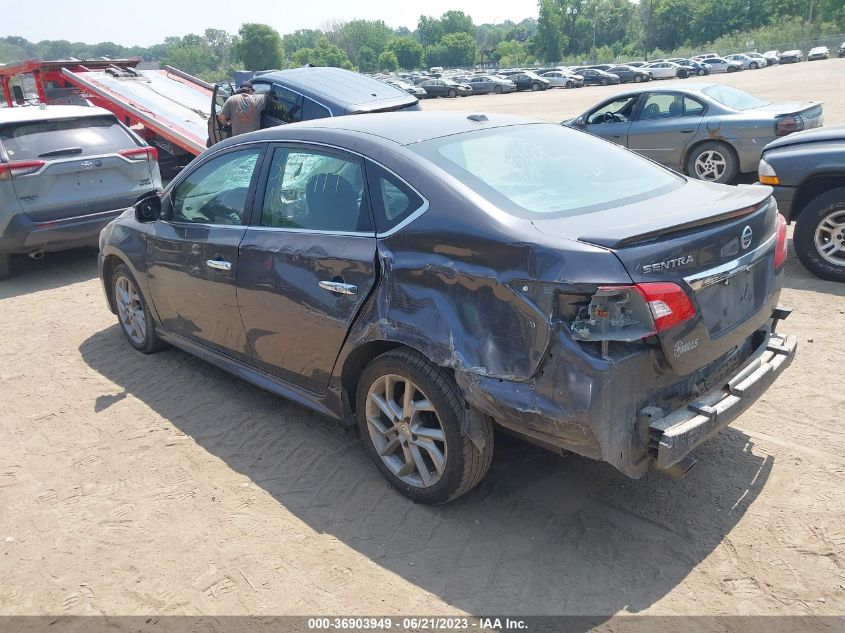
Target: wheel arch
[[812, 187], [110, 263]]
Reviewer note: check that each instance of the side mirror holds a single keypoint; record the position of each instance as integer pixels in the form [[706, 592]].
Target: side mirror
[[581, 120], [148, 209]]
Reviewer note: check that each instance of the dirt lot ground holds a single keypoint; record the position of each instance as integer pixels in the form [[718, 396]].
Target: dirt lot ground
[[134, 484]]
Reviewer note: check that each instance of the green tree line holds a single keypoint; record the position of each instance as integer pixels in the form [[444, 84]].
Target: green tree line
[[564, 30]]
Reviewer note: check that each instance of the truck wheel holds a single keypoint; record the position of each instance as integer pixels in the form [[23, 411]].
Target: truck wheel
[[5, 266], [133, 315], [409, 415], [819, 237], [713, 161]]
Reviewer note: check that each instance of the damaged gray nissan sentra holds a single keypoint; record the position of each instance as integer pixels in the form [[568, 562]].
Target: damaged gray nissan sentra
[[436, 275]]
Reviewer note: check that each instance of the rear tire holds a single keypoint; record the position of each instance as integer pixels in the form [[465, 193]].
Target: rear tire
[[133, 314], [821, 227], [435, 411], [5, 266], [713, 161]]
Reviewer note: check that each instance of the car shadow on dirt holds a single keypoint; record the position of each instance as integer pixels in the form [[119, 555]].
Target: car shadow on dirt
[[542, 534], [53, 271], [799, 278]]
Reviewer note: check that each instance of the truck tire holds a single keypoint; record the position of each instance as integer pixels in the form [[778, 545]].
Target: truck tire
[[409, 438], [5, 266], [819, 237]]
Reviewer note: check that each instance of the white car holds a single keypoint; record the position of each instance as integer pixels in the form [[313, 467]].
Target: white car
[[666, 70], [721, 65], [563, 79], [819, 52], [760, 59], [747, 62]]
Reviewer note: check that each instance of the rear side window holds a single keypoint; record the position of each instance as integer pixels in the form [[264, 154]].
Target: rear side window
[[315, 191], [393, 200], [84, 136], [312, 110]]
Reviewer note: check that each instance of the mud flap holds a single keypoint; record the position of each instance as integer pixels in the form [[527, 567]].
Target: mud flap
[[475, 428]]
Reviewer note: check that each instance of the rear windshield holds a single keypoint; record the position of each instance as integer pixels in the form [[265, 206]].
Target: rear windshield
[[542, 171], [67, 137], [733, 98]]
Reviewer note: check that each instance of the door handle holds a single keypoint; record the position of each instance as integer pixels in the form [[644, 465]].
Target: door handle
[[617, 136], [687, 131], [219, 264], [339, 288]]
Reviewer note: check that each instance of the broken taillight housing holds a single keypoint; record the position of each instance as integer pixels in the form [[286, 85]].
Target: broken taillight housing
[[781, 244], [19, 168], [630, 313], [789, 124]]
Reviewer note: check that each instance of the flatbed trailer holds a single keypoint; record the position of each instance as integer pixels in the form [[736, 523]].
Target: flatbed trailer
[[167, 107]]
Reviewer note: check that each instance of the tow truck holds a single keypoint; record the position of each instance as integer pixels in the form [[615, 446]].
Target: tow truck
[[167, 107]]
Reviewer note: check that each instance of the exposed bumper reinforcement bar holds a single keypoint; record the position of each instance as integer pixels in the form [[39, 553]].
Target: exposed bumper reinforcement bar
[[674, 435]]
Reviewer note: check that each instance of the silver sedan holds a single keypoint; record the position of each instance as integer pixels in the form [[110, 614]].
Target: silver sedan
[[709, 131]]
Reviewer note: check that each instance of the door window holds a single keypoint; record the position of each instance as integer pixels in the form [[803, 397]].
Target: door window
[[216, 192], [312, 110], [693, 107], [662, 106], [616, 111], [315, 191]]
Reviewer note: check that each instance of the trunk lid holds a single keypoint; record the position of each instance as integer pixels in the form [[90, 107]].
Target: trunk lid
[[714, 241]]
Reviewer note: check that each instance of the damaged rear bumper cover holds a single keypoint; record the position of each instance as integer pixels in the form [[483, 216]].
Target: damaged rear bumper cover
[[673, 436]]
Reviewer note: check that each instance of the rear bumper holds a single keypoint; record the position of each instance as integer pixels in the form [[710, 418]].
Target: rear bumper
[[673, 436], [22, 235]]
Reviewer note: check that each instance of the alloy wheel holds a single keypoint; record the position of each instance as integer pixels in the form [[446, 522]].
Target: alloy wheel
[[130, 311], [406, 431], [710, 165], [830, 238]]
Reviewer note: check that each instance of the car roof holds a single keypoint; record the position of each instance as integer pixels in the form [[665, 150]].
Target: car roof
[[27, 114], [695, 88], [403, 128], [335, 85]]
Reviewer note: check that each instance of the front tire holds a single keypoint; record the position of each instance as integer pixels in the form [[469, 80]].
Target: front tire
[[713, 161], [753, 66], [133, 314], [637, 79], [604, 81], [452, 93], [819, 237], [497, 90], [535, 87], [409, 415]]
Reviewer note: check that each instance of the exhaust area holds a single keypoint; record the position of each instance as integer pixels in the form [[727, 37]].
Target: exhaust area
[[36, 255]]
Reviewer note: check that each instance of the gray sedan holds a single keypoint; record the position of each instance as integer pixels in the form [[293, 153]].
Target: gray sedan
[[709, 131], [485, 84]]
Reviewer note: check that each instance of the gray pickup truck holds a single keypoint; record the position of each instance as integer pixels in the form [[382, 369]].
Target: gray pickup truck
[[807, 172]]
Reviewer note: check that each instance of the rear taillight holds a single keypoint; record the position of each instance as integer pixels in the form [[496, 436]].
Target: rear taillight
[[669, 304], [19, 168], [781, 244], [631, 313], [788, 125], [140, 153]]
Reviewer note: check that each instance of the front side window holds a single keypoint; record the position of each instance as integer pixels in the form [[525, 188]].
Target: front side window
[[545, 171], [315, 191], [617, 111], [216, 192]]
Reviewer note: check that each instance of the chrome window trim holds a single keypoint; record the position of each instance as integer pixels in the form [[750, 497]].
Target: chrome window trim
[[725, 271]]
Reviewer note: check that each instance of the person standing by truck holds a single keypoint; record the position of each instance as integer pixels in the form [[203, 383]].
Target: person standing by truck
[[243, 110]]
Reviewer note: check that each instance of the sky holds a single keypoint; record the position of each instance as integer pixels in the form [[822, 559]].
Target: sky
[[150, 21]]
